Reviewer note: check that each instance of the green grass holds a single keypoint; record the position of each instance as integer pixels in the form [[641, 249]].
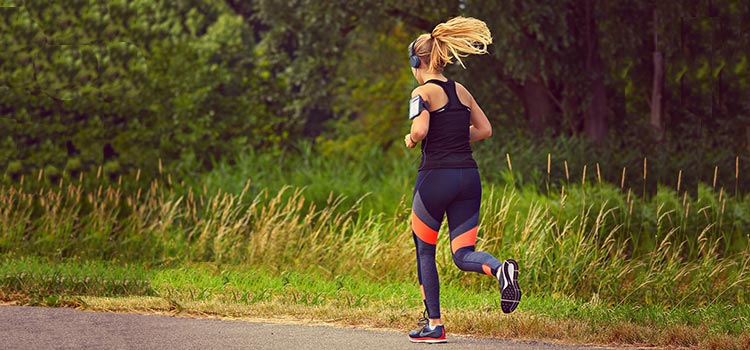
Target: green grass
[[314, 295], [41, 282]]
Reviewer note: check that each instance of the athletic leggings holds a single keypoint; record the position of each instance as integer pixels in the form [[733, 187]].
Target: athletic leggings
[[457, 193]]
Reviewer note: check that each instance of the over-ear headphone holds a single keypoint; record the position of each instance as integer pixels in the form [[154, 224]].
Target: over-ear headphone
[[413, 58]]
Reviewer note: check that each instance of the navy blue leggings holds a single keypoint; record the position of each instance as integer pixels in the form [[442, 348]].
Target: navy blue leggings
[[456, 193]]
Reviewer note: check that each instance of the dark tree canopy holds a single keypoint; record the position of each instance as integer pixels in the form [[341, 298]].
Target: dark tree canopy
[[127, 84]]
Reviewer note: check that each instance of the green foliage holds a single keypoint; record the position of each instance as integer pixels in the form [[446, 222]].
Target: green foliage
[[616, 162], [304, 42], [129, 86], [371, 107], [374, 178], [38, 281]]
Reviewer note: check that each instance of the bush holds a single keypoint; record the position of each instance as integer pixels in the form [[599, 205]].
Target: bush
[[178, 89]]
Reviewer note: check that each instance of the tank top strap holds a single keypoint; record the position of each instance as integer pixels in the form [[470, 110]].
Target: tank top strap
[[450, 90]]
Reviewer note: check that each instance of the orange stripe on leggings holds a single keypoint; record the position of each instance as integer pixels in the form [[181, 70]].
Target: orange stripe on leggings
[[423, 231], [487, 269], [466, 239], [424, 296]]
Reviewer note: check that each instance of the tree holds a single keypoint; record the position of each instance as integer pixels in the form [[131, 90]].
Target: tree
[[549, 55], [129, 85], [303, 43]]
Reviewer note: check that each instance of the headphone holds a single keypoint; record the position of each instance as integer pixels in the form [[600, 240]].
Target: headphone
[[413, 58]]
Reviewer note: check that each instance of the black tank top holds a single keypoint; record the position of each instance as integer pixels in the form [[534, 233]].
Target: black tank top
[[447, 141]]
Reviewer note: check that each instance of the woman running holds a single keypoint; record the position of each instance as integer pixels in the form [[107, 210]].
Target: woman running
[[446, 118]]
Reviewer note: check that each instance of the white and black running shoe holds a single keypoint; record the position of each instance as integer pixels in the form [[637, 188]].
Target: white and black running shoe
[[510, 292]]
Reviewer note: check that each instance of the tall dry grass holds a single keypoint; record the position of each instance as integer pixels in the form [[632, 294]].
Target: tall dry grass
[[591, 240]]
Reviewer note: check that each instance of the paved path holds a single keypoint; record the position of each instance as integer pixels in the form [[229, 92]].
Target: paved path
[[49, 328]]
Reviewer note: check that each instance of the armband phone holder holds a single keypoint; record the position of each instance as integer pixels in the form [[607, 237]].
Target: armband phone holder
[[416, 106]]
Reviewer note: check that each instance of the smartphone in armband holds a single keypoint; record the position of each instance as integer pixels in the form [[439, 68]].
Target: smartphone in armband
[[416, 106]]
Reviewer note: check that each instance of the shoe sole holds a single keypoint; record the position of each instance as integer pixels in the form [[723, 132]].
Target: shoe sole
[[511, 295], [428, 340]]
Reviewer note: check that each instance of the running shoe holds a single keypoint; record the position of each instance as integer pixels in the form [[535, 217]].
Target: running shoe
[[427, 334], [510, 292]]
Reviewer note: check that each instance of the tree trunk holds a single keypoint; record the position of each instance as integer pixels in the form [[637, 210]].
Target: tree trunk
[[595, 116], [657, 122], [537, 104], [656, 95]]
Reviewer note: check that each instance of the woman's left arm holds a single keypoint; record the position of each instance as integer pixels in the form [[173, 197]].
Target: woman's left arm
[[480, 127]]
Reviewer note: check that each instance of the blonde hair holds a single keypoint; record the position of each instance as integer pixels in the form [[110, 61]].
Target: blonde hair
[[456, 38]]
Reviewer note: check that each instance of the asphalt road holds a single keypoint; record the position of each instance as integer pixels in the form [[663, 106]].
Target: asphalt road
[[50, 328]]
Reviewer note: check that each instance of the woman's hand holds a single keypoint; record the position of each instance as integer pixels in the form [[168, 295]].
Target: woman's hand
[[409, 141]]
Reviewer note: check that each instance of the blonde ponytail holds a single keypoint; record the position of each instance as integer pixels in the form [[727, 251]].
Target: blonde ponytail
[[456, 38]]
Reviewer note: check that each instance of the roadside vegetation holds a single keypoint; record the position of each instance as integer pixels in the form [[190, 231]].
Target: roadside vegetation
[[328, 240]]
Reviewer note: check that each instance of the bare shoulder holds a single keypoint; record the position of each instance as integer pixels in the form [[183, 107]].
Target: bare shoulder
[[426, 90], [419, 90]]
